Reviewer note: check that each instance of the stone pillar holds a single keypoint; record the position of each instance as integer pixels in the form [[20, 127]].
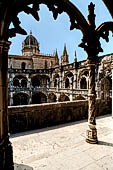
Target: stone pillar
[[91, 62], [57, 85], [60, 80], [6, 154], [92, 131], [74, 81], [11, 98]]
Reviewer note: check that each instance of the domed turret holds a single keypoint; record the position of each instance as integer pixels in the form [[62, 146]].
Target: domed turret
[[30, 46]]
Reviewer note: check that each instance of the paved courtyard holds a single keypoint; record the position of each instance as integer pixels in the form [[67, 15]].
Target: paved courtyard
[[63, 147]]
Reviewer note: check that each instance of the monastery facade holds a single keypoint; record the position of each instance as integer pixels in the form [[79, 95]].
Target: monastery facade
[[35, 78]]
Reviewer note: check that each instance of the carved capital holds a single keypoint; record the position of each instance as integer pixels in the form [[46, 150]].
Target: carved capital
[[4, 45]]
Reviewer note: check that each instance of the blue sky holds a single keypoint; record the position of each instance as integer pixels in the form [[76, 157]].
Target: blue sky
[[52, 34]]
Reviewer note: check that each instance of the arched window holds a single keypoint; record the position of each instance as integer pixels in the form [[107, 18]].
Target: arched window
[[67, 83], [39, 98], [20, 99], [55, 83], [23, 66], [45, 64], [20, 81], [24, 82], [56, 80], [83, 83], [35, 82], [16, 82]]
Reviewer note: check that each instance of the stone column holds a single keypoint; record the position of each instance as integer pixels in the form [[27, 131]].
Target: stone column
[[11, 98], [74, 81], [92, 131], [60, 80], [6, 157]]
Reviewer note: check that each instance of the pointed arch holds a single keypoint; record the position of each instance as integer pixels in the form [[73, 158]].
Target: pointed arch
[[20, 99], [52, 97], [39, 98]]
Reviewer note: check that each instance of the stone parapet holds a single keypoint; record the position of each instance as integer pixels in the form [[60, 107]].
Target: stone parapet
[[23, 118]]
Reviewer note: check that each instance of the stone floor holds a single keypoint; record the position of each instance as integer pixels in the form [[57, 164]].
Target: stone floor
[[64, 148]]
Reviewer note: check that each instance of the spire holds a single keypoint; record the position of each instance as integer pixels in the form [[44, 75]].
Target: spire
[[65, 50], [75, 57], [56, 54], [65, 57], [56, 58]]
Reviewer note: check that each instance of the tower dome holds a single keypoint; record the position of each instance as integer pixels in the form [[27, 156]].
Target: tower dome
[[30, 46]]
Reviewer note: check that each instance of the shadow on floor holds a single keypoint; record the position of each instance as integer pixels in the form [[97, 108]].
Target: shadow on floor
[[54, 127], [22, 167], [46, 128], [105, 143]]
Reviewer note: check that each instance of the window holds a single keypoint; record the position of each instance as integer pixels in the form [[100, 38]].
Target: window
[[23, 66]]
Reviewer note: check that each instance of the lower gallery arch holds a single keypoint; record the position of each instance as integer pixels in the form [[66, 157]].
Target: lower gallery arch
[[63, 98], [79, 97], [39, 98], [20, 99], [51, 97]]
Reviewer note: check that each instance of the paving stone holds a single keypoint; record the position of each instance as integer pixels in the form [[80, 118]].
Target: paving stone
[[64, 147], [106, 162], [22, 167]]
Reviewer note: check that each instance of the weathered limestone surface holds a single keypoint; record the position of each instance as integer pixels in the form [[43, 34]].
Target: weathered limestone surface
[[63, 147], [22, 118]]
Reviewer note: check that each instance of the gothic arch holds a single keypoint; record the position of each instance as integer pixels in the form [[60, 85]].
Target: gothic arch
[[83, 83], [23, 65], [39, 98], [20, 81], [56, 80], [63, 98], [35, 81], [79, 97], [106, 83], [68, 74], [40, 80], [51, 97], [105, 87], [20, 99], [55, 76], [68, 79], [83, 72]]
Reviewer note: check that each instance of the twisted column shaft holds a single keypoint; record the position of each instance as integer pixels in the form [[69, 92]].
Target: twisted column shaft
[[6, 158]]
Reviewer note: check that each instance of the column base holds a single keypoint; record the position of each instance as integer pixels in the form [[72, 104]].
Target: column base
[[92, 136], [6, 156]]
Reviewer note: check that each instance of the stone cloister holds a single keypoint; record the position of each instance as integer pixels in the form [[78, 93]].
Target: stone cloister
[[30, 82], [90, 43]]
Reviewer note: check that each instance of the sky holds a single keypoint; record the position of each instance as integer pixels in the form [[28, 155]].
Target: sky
[[53, 34]]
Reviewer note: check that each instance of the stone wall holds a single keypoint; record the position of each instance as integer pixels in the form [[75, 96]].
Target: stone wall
[[22, 118]]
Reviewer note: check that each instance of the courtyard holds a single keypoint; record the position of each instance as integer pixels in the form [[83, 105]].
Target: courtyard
[[63, 147]]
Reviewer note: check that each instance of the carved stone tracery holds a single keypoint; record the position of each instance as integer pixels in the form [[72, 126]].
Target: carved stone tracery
[[9, 10]]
